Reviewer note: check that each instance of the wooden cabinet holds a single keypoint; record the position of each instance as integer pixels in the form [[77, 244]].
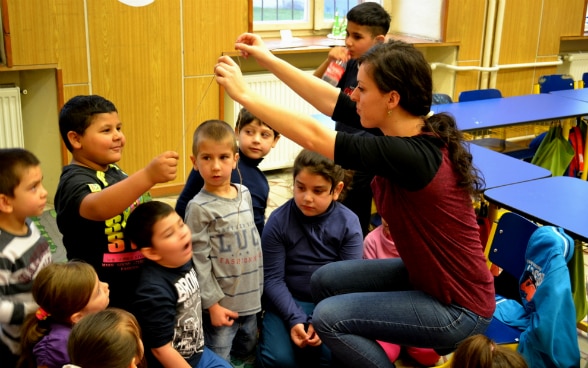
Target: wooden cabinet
[[31, 30], [154, 63]]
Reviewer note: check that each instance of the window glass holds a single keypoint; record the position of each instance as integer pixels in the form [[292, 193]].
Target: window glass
[[280, 10], [271, 15]]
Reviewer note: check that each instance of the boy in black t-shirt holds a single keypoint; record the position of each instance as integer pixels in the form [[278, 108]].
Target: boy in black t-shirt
[[167, 301], [367, 25], [94, 196]]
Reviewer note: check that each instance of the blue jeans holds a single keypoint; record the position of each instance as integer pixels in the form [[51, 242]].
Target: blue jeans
[[360, 301], [238, 340], [276, 349]]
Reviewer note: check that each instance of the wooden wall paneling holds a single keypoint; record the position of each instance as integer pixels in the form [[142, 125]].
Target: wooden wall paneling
[[202, 103], [514, 82], [70, 91], [571, 15], [136, 63], [582, 27], [72, 49], [211, 27], [520, 32], [6, 34], [33, 31], [466, 80], [40, 127], [465, 24]]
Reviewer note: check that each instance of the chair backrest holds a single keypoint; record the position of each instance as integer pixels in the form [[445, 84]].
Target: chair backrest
[[509, 244], [555, 82], [441, 98], [585, 79], [479, 94]]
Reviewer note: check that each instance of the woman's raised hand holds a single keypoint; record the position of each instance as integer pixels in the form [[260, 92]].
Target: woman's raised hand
[[250, 44]]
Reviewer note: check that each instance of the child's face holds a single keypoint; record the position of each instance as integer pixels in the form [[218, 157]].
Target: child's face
[[312, 193], [256, 140], [102, 143], [171, 243], [215, 162], [99, 299], [30, 197], [359, 39]]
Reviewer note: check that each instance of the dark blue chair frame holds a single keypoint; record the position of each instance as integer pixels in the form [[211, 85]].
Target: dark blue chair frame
[[555, 82]]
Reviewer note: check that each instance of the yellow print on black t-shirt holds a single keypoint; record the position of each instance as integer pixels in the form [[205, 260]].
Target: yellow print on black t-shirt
[[114, 227]]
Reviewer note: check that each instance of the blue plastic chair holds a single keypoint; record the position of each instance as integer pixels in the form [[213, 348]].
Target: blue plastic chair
[[555, 82], [507, 251], [479, 94], [441, 98]]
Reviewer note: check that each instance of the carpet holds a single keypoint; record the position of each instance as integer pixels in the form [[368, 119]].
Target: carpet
[[47, 224]]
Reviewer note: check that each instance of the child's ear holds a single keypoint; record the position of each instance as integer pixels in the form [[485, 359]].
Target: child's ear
[[74, 139], [337, 190], [380, 39], [236, 160], [5, 203], [76, 317], [150, 253], [276, 139], [193, 159]]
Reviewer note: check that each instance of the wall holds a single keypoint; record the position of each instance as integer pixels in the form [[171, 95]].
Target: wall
[[155, 63], [418, 18], [531, 32]]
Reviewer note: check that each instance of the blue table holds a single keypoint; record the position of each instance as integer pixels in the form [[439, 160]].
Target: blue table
[[500, 170], [580, 94], [559, 201], [499, 112]]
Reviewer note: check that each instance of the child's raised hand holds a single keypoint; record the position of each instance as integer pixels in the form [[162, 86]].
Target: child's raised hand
[[163, 168], [339, 53], [221, 316]]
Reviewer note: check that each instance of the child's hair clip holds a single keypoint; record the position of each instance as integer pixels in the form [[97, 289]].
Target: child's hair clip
[[41, 314]]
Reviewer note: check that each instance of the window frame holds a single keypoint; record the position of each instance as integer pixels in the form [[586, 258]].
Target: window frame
[[316, 25]]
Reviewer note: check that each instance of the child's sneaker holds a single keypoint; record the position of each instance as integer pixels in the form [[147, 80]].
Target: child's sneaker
[[245, 362]]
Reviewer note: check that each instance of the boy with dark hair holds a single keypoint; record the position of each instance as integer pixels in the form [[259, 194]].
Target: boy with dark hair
[[367, 25], [23, 249], [167, 300], [94, 196], [256, 139]]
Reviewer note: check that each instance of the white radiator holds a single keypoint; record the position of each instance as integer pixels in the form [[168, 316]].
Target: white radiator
[[575, 64], [283, 155], [11, 131]]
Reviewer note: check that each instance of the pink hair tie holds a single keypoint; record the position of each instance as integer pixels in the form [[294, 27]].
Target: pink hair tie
[[41, 314]]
